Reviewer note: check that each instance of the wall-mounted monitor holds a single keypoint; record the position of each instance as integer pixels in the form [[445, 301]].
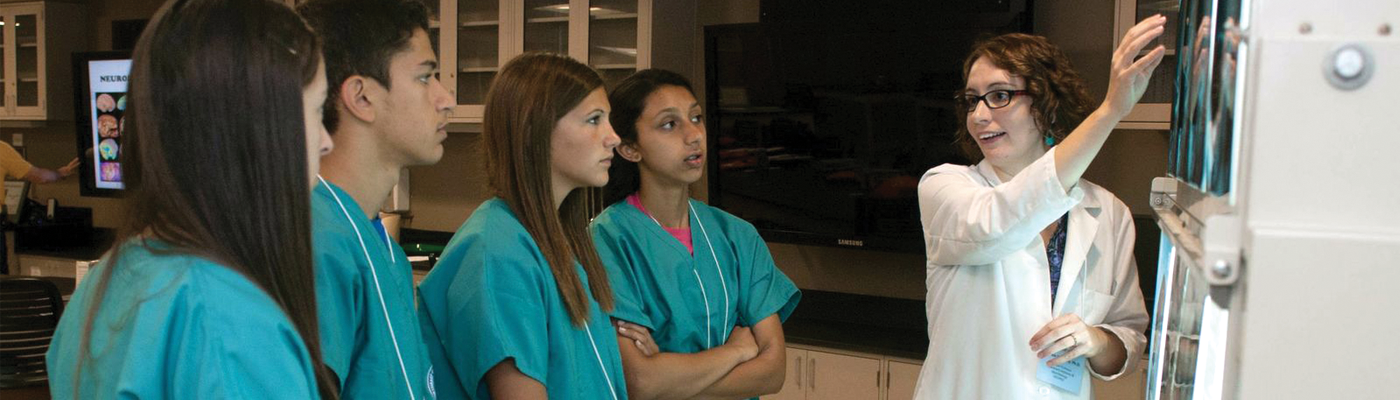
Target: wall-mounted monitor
[[100, 83], [824, 115]]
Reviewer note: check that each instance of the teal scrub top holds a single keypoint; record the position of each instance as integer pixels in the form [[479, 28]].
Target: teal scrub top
[[356, 342], [682, 297], [491, 297], [175, 326]]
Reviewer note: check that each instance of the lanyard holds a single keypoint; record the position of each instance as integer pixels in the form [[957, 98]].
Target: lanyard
[[724, 335], [375, 274]]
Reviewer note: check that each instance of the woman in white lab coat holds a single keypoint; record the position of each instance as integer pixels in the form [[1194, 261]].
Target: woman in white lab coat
[[1030, 267]]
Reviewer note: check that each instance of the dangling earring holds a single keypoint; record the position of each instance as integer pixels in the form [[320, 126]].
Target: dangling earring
[[1049, 140]]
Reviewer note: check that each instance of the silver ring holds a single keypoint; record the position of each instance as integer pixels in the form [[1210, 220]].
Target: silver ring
[[1076, 340]]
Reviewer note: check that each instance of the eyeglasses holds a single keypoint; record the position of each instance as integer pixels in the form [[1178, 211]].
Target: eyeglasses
[[994, 99]]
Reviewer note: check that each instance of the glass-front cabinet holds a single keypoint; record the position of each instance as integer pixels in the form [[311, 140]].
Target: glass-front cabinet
[[546, 26], [474, 43], [477, 37], [4, 64], [613, 38], [35, 74], [26, 61]]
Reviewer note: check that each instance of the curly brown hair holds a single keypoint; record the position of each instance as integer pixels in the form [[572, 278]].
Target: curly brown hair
[[1061, 99]]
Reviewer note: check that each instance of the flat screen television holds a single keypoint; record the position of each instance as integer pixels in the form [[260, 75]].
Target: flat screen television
[[100, 87], [824, 115]]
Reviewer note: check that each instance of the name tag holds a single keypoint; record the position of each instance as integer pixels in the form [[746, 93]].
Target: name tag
[[1067, 377]]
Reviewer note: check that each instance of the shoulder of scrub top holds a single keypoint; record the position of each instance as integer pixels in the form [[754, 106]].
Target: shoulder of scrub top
[[193, 305], [611, 215], [196, 284], [493, 228], [732, 226], [328, 221], [334, 244]]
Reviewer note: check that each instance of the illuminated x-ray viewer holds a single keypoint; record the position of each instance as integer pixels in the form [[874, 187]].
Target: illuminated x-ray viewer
[[1280, 231]]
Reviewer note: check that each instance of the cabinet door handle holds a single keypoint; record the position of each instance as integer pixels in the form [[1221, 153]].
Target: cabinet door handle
[[799, 372], [812, 371]]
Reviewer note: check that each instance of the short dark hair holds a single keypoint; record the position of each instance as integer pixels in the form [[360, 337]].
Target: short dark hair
[[360, 37], [628, 100], [1061, 100]]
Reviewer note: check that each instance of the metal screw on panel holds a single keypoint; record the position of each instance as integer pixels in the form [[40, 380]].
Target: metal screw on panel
[[1306, 28], [1385, 29], [1349, 63], [1349, 67], [1221, 269]]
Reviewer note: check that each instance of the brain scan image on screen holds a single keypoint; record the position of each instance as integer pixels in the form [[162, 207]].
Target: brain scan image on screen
[[112, 171], [107, 126], [108, 149], [105, 103]]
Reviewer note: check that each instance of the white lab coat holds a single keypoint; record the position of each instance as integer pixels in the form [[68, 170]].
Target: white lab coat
[[989, 282]]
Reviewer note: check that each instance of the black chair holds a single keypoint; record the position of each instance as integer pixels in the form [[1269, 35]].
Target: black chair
[[29, 312]]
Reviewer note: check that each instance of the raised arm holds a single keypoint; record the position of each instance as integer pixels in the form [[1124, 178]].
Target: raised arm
[[968, 222]]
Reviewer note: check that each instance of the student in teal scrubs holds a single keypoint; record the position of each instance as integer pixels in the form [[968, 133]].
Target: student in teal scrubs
[[517, 305], [386, 111], [209, 292], [700, 303]]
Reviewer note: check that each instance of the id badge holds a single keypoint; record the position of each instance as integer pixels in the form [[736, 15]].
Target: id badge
[[1067, 377]]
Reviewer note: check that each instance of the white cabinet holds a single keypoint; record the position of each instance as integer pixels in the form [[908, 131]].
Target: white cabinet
[[900, 379], [476, 37], [794, 385], [816, 373], [841, 377], [36, 80]]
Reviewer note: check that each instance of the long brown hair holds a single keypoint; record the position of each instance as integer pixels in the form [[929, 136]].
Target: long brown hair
[[1061, 100], [218, 147], [528, 97]]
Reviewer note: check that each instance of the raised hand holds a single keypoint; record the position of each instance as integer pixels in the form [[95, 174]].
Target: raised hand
[[1130, 74]]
